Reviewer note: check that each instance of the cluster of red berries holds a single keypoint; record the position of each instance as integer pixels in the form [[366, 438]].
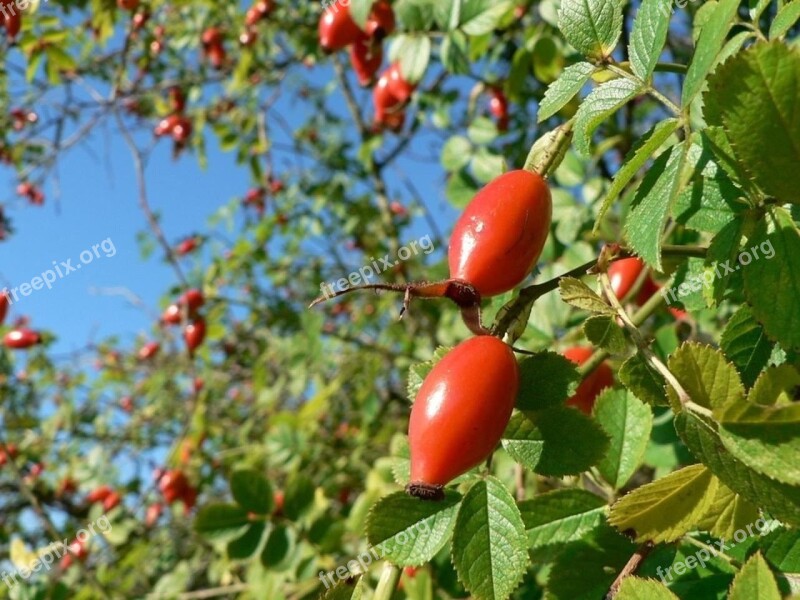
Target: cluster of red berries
[[176, 124], [20, 337], [338, 30], [175, 486], [21, 118], [32, 192], [185, 310], [256, 197]]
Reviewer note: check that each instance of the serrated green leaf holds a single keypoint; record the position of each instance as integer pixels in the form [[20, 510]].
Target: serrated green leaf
[[221, 521], [627, 422], [648, 36], [408, 531], [785, 19], [489, 542], [772, 284], [709, 379], [668, 508], [641, 379], [781, 548], [561, 516], [604, 101], [728, 513], [591, 26], [543, 441], [709, 43], [641, 152], [578, 294], [252, 491], [755, 580], [754, 96], [746, 345], [700, 434], [479, 17], [636, 588], [604, 332], [652, 204], [546, 380], [563, 89]]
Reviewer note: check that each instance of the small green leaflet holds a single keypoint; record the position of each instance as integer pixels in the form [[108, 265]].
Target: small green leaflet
[[576, 293], [636, 588], [591, 26], [648, 36], [785, 20], [710, 380], [755, 580], [604, 101], [563, 89], [745, 344], [561, 516]]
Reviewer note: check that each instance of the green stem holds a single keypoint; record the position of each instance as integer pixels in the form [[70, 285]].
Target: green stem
[[695, 251], [671, 68], [648, 88], [388, 582]]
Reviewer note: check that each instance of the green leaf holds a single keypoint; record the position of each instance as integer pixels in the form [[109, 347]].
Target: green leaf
[[543, 441], [636, 588], [648, 36], [489, 542], [563, 89], [454, 53], [668, 508], [456, 153], [641, 379], [278, 548], [604, 332], [627, 421], [246, 545], [712, 37], [754, 95], [728, 513], [345, 590], [482, 131], [298, 496], [486, 165], [641, 152], [408, 531], [700, 434], [413, 52], [561, 516], [604, 101], [546, 380], [221, 521], [781, 548], [772, 286], [746, 345], [755, 580], [576, 293], [479, 17], [252, 491], [764, 431], [710, 380], [652, 204], [785, 19], [591, 26]]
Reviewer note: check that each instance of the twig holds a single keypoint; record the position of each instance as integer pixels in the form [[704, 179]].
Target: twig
[[630, 568]]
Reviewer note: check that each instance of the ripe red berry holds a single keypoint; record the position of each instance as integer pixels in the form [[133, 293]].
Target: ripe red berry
[[366, 59], [501, 233], [174, 485], [593, 384], [399, 87], [258, 12], [177, 99], [166, 125], [12, 19], [128, 4], [112, 501], [149, 350], [460, 412], [337, 29], [173, 315], [10, 452], [182, 130], [126, 404], [99, 494], [623, 274], [153, 514], [194, 299], [498, 106], [5, 302], [21, 339], [194, 334], [380, 22], [187, 246]]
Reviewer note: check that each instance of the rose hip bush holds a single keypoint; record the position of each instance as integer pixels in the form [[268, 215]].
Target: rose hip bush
[[579, 402]]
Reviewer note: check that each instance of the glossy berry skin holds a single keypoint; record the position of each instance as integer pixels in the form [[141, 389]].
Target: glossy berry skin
[[337, 30], [366, 59], [21, 339], [399, 87], [501, 233], [13, 20], [194, 299], [128, 4], [99, 494], [153, 514], [623, 275], [112, 501], [461, 410], [149, 350], [194, 334], [498, 106], [594, 383], [380, 22]]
